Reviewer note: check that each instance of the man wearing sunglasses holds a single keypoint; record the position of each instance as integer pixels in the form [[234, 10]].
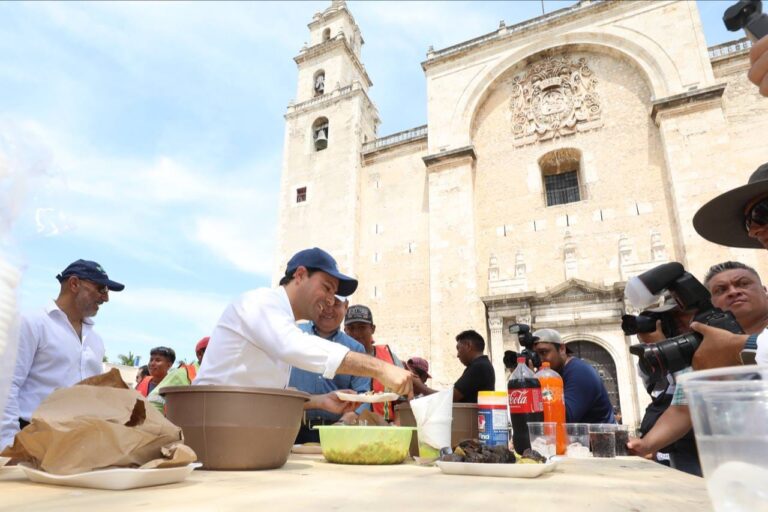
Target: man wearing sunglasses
[[736, 218], [57, 345]]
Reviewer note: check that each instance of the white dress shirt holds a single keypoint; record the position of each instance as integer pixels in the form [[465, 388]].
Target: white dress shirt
[[50, 356], [761, 357], [256, 341]]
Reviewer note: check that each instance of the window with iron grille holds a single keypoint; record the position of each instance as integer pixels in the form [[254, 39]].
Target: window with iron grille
[[301, 194], [560, 171], [562, 188]]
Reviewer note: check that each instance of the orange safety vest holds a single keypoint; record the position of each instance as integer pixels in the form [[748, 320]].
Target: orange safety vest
[[191, 372], [386, 409], [143, 386]]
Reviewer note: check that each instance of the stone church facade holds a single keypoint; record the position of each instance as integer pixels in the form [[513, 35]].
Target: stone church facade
[[561, 156]]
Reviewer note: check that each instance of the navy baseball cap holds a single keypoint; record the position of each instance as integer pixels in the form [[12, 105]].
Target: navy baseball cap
[[318, 259], [90, 271]]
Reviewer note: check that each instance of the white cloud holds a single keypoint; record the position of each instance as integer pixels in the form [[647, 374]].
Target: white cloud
[[249, 252], [190, 308]]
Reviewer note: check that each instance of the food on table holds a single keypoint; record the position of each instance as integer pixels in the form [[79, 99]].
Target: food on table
[[470, 450], [373, 453]]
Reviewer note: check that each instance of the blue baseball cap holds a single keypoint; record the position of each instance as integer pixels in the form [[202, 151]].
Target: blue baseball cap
[[318, 259], [90, 271]]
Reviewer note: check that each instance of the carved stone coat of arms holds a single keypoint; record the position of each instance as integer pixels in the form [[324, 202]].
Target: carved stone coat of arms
[[552, 98]]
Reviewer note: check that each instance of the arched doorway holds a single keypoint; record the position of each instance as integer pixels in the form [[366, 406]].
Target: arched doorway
[[601, 361]]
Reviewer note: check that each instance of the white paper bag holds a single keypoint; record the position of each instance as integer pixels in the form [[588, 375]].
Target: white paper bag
[[434, 416]]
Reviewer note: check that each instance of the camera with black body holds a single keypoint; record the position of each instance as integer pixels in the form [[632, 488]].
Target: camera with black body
[[525, 338], [675, 353], [645, 322], [747, 15]]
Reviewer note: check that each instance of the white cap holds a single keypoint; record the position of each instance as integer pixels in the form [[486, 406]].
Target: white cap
[[547, 336]]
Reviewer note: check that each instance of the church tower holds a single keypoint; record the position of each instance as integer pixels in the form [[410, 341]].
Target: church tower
[[325, 128]]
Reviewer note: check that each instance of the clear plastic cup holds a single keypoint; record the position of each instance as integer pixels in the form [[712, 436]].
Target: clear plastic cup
[[602, 440], [543, 436], [578, 440], [729, 409], [621, 437]]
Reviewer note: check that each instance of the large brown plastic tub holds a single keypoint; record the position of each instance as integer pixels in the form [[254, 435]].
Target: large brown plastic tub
[[235, 427], [464, 424]]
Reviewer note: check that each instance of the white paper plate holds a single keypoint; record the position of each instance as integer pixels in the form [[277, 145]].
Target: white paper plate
[[368, 399], [117, 479], [307, 449], [503, 470]]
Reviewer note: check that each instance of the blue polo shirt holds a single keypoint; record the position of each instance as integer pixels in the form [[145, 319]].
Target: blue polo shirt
[[586, 399], [315, 384]]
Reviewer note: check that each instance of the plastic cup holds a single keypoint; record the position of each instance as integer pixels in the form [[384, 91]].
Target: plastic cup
[[578, 440], [543, 435], [602, 440], [621, 437], [729, 409]]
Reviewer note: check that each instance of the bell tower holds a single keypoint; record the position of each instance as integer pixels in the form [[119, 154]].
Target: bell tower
[[325, 128]]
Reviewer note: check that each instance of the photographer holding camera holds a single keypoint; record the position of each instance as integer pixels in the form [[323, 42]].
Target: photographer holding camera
[[737, 218], [734, 287]]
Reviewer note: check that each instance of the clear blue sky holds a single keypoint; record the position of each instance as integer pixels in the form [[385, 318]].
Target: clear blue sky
[[148, 137]]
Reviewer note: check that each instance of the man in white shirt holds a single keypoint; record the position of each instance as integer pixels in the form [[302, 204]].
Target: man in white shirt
[[256, 341], [57, 346]]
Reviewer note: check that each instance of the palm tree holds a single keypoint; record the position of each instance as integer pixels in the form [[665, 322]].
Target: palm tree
[[126, 360]]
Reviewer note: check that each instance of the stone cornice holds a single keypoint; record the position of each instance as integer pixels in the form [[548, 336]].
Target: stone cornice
[[328, 99], [435, 160], [338, 41], [684, 102], [540, 23], [558, 294]]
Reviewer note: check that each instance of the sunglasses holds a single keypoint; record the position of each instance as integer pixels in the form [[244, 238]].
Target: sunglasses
[[757, 215], [100, 288]]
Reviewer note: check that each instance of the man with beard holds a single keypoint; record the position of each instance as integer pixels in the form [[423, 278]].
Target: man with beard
[[58, 346]]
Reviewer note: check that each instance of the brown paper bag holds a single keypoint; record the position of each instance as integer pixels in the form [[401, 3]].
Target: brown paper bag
[[96, 424]]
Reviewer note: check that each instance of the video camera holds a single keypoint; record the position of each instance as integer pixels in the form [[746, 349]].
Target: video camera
[[675, 353], [525, 338]]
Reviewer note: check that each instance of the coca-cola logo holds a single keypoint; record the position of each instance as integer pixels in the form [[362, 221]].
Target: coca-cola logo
[[518, 397]]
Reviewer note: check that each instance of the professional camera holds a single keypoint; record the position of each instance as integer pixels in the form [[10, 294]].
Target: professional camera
[[747, 15], [646, 321], [525, 338], [674, 354]]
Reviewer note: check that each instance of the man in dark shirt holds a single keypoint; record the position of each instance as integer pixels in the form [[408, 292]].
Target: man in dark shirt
[[478, 375], [586, 399]]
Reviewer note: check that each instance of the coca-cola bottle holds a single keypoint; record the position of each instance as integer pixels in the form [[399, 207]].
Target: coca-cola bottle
[[525, 404]]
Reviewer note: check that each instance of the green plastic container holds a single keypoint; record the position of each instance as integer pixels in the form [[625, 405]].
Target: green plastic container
[[348, 444]]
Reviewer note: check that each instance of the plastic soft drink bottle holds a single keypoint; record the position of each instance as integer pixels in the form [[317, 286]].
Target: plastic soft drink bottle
[[524, 393], [554, 402]]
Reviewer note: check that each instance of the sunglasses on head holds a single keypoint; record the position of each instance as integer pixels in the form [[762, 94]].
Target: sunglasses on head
[[757, 215]]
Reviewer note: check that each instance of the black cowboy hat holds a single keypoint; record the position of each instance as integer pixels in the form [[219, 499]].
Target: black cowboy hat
[[721, 220]]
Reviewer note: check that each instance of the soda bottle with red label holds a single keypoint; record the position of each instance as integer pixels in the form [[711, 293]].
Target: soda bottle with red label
[[524, 392]]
